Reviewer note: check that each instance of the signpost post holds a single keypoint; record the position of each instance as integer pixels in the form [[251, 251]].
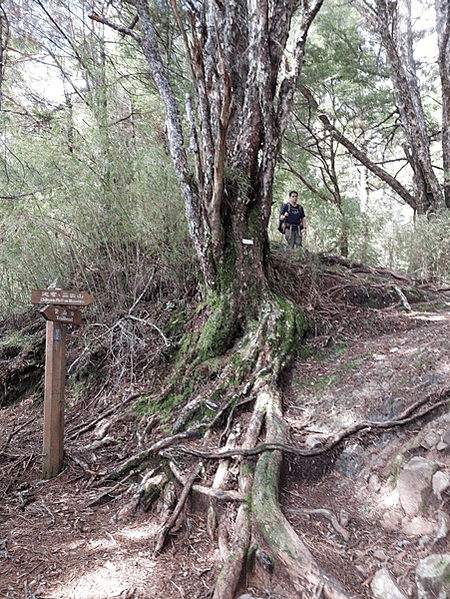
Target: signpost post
[[60, 308], [55, 376]]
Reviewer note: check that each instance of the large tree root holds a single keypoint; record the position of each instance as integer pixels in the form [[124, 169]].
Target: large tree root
[[288, 552], [406, 418], [232, 570], [306, 575], [259, 513]]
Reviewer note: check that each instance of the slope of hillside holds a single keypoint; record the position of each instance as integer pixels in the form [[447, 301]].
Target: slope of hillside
[[367, 394]]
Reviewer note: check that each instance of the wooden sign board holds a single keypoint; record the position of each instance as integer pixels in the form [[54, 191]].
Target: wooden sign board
[[61, 297], [62, 314]]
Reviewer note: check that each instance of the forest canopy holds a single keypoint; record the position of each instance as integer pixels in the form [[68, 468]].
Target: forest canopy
[[86, 164]]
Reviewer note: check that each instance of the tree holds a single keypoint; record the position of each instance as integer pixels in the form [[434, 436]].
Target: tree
[[243, 61], [84, 172], [443, 33], [392, 21]]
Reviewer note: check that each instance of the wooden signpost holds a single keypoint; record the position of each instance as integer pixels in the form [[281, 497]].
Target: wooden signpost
[[62, 314], [60, 308]]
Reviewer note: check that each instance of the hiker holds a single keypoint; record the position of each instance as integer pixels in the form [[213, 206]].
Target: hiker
[[292, 221]]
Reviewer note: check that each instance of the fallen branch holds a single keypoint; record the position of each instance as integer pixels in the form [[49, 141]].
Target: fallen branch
[[79, 429], [108, 495], [176, 512], [82, 465], [138, 458], [47, 509], [403, 298]]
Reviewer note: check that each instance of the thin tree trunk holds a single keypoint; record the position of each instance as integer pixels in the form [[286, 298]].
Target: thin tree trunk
[[443, 32]]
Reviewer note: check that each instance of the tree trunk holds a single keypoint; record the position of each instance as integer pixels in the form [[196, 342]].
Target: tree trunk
[[443, 32], [392, 21], [361, 156]]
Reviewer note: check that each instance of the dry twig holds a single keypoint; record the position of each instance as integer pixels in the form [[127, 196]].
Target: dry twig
[[176, 512]]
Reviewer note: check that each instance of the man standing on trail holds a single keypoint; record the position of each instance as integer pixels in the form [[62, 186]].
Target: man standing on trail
[[293, 221]]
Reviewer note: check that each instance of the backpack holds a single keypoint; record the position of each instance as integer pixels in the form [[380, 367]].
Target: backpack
[[282, 223]]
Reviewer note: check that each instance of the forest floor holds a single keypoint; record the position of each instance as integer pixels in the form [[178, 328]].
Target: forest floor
[[76, 537]]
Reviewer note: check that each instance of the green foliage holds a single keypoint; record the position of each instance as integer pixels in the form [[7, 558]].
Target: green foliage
[[423, 248], [89, 198]]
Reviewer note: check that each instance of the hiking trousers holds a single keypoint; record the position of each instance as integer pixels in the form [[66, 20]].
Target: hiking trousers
[[293, 238]]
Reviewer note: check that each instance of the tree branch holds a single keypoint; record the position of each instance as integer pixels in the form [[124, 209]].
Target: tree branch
[[124, 30], [358, 154]]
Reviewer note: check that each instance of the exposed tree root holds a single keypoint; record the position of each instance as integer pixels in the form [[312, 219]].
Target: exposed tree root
[[305, 574], [258, 512], [327, 514], [213, 492], [335, 440], [232, 570]]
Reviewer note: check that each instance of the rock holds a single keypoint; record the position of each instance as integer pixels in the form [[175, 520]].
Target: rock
[[380, 554], [351, 461], [374, 483], [344, 518], [433, 577], [431, 439], [446, 436], [384, 587], [417, 526], [413, 480], [443, 526], [440, 482], [391, 520], [362, 570], [311, 441]]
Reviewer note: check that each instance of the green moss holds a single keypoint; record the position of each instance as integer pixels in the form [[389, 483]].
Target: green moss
[[175, 318], [372, 302], [218, 331], [245, 469], [291, 329], [304, 352], [161, 406], [227, 268]]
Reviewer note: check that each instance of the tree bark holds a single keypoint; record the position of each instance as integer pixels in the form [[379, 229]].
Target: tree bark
[[361, 156]]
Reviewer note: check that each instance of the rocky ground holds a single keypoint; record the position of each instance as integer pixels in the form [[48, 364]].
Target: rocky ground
[[377, 502]]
